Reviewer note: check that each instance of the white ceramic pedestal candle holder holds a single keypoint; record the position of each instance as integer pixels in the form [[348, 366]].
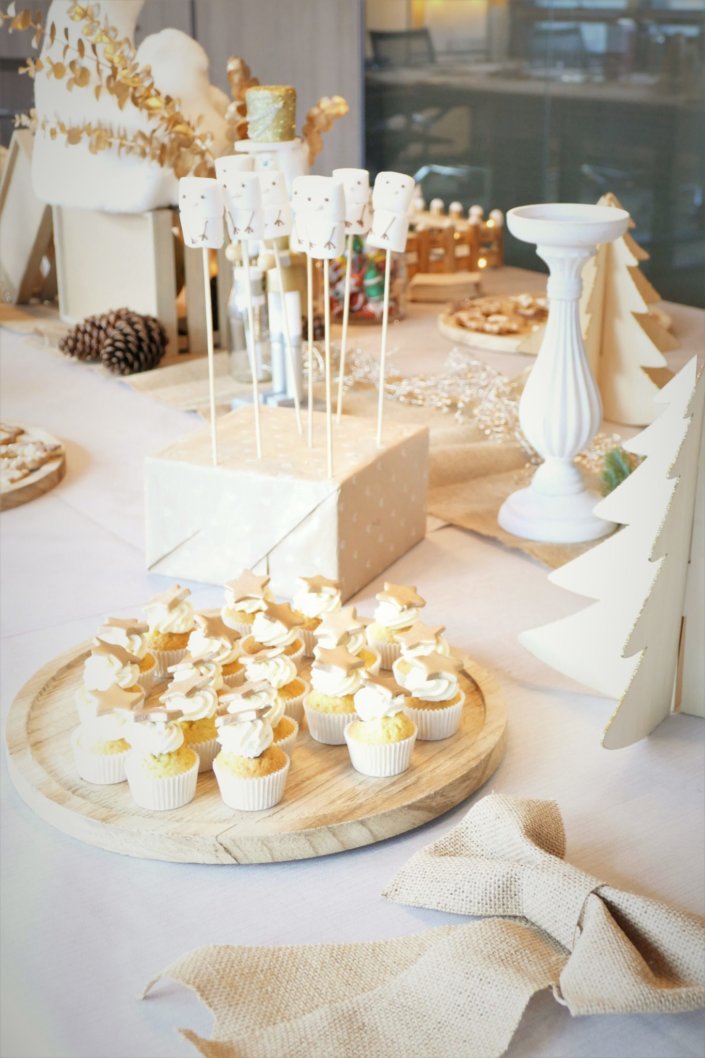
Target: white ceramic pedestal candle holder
[[560, 409]]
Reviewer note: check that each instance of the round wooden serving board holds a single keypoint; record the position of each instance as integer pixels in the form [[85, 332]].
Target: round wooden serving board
[[327, 806], [39, 481]]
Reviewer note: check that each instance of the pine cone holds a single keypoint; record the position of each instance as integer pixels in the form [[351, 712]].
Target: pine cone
[[85, 340], [136, 343]]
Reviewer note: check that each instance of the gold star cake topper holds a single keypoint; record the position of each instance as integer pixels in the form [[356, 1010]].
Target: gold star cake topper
[[129, 625], [401, 594], [248, 689], [420, 633], [186, 688], [319, 584], [435, 665], [170, 598], [381, 679], [103, 649], [282, 612], [247, 586], [337, 658], [115, 699], [340, 624], [214, 627], [157, 715]]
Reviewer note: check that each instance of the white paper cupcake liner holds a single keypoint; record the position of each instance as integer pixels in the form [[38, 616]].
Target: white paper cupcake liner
[[160, 794], [251, 795], [309, 637], [328, 728], [382, 760], [388, 652], [294, 707], [242, 627], [288, 743], [165, 659], [101, 769], [434, 724], [148, 679], [234, 678], [207, 752], [297, 654]]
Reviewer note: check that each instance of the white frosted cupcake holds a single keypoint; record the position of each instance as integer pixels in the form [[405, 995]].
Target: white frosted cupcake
[[98, 743], [245, 596], [435, 701], [275, 628], [109, 665], [381, 741], [397, 610], [161, 771], [258, 694], [170, 620], [250, 770], [212, 640], [133, 636], [336, 675], [422, 639], [316, 597], [343, 628], [196, 699], [278, 670]]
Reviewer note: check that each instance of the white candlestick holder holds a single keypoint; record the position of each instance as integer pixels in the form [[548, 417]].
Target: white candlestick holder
[[560, 409]]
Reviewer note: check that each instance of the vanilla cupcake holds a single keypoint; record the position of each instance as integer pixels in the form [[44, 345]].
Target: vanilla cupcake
[[250, 770], [381, 740], [316, 597], [273, 628], [213, 640], [336, 675], [396, 611], [109, 665], [98, 743], [133, 636], [170, 619], [279, 670], [343, 628], [261, 695], [161, 770], [436, 699], [245, 596], [196, 699]]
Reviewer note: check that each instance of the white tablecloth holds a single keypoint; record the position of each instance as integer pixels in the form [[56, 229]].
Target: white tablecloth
[[83, 930]]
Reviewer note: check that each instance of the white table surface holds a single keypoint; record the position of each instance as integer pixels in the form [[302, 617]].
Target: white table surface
[[83, 930]]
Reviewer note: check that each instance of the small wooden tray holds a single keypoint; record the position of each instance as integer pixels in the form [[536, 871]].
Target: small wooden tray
[[327, 806], [39, 481]]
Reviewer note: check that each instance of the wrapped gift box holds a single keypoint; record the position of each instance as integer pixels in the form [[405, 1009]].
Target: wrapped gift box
[[281, 514]]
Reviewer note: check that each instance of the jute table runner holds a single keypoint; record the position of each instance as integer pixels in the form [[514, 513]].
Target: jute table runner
[[457, 990]]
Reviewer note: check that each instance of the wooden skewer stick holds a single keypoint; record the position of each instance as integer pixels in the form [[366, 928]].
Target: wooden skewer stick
[[209, 344], [252, 347], [309, 311], [287, 337], [329, 398], [344, 336], [383, 349]]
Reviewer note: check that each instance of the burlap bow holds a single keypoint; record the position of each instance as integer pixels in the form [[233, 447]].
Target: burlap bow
[[458, 989]]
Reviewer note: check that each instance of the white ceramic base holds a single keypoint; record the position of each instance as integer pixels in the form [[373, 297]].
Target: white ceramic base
[[536, 515]]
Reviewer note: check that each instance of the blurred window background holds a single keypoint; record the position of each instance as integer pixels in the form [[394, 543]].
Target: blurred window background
[[506, 102]]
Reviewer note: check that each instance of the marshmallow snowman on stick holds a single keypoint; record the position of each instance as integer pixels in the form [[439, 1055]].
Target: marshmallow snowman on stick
[[201, 207], [243, 200], [277, 220], [358, 218], [319, 212], [391, 199], [227, 171]]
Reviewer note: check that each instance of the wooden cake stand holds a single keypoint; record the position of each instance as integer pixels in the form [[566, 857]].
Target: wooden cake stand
[[327, 806]]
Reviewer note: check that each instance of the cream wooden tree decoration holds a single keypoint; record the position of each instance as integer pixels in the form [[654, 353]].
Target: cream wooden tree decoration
[[623, 339], [626, 643]]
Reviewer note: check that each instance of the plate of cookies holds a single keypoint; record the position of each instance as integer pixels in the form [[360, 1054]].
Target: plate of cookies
[[32, 461], [511, 323]]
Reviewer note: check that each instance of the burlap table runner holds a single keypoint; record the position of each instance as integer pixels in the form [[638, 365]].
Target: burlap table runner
[[458, 989]]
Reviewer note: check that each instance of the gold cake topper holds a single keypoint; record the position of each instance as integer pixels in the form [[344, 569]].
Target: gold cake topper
[[103, 649], [116, 699], [214, 627], [129, 625], [319, 583], [402, 594], [247, 586], [171, 597], [340, 624], [337, 658], [420, 633]]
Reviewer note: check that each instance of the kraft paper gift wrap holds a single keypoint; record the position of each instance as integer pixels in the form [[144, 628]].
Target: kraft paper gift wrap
[[281, 514], [458, 990]]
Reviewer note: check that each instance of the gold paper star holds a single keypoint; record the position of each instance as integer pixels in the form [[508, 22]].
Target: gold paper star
[[401, 594], [157, 715], [213, 626], [340, 623], [115, 698], [435, 665], [338, 658], [247, 586], [130, 625], [242, 717], [382, 680], [171, 597], [247, 689], [103, 649], [421, 633], [319, 584], [282, 612], [186, 687]]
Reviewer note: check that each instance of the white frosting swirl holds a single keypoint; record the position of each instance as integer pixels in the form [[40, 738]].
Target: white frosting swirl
[[102, 671], [373, 701], [199, 705], [248, 739], [393, 615], [276, 711], [316, 603], [272, 633], [161, 618], [412, 676], [256, 699], [277, 671], [353, 644], [135, 643], [334, 681], [106, 728], [439, 645], [151, 738], [188, 668], [212, 648], [246, 604]]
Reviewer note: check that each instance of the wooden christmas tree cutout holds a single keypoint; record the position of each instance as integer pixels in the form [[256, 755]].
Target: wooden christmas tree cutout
[[623, 338], [626, 644]]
